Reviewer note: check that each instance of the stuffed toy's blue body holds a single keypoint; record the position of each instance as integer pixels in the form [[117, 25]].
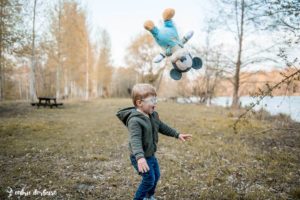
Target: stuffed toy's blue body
[[166, 36]]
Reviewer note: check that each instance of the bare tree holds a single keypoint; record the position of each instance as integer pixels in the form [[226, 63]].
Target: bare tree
[[214, 63], [70, 53], [10, 34], [104, 65], [122, 81], [282, 16], [59, 62], [139, 56], [239, 17]]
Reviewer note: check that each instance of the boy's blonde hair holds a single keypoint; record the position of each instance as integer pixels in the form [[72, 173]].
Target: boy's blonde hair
[[141, 91]]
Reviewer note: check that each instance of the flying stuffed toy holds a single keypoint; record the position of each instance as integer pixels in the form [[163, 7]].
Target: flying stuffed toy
[[167, 38]]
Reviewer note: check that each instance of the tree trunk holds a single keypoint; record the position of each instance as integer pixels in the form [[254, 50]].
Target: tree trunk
[[95, 80], [59, 53], [1, 56], [161, 73], [235, 98], [87, 70], [1, 71], [33, 61]]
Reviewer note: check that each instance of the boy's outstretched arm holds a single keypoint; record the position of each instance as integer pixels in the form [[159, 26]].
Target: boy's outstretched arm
[[184, 137], [166, 130]]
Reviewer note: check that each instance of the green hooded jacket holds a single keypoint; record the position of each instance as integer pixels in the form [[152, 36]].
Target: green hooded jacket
[[143, 131]]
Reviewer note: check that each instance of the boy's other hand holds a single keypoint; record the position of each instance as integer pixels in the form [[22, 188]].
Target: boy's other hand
[[142, 165], [184, 137]]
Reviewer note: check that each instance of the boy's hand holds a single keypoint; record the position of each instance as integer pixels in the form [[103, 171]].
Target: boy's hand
[[184, 137], [142, 165]]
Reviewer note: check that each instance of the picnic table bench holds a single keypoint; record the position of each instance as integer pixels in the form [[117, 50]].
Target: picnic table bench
[[46, 101]]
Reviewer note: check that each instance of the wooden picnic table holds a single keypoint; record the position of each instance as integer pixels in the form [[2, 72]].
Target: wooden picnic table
[[46, 101]]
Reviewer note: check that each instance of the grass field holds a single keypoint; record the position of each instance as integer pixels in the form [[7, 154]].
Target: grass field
[[80, 151]]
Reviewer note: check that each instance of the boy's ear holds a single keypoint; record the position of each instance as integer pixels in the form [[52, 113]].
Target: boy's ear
[[138, 102]]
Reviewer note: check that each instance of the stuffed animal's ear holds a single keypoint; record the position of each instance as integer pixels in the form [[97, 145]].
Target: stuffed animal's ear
[[197, 63], [168, 14], [149, 25], [175, 74]]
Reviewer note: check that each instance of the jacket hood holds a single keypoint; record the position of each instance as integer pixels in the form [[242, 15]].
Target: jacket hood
[[126, 113]]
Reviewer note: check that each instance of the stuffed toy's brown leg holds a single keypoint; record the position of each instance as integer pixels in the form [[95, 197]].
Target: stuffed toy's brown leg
[[149, 25], [168, 14]]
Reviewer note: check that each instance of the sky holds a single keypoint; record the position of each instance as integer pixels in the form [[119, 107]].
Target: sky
[[124, 19]]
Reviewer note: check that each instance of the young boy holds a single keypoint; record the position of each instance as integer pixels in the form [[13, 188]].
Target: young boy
[[144, 124]]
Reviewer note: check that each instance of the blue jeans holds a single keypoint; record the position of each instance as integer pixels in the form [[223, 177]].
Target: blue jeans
[[149, 178]]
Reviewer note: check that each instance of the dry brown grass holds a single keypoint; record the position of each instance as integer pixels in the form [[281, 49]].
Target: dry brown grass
[[81, 152]]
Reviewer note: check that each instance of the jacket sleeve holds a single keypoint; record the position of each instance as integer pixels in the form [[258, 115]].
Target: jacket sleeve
[[135, 138], [164, 128], [168, 131]]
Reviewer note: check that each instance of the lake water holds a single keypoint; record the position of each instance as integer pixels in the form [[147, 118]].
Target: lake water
[[289, 105]]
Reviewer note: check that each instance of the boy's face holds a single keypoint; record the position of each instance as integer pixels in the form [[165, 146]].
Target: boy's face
[[148, 104]]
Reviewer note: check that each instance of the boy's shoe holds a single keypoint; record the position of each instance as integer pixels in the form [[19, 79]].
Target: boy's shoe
[[150, 198]]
